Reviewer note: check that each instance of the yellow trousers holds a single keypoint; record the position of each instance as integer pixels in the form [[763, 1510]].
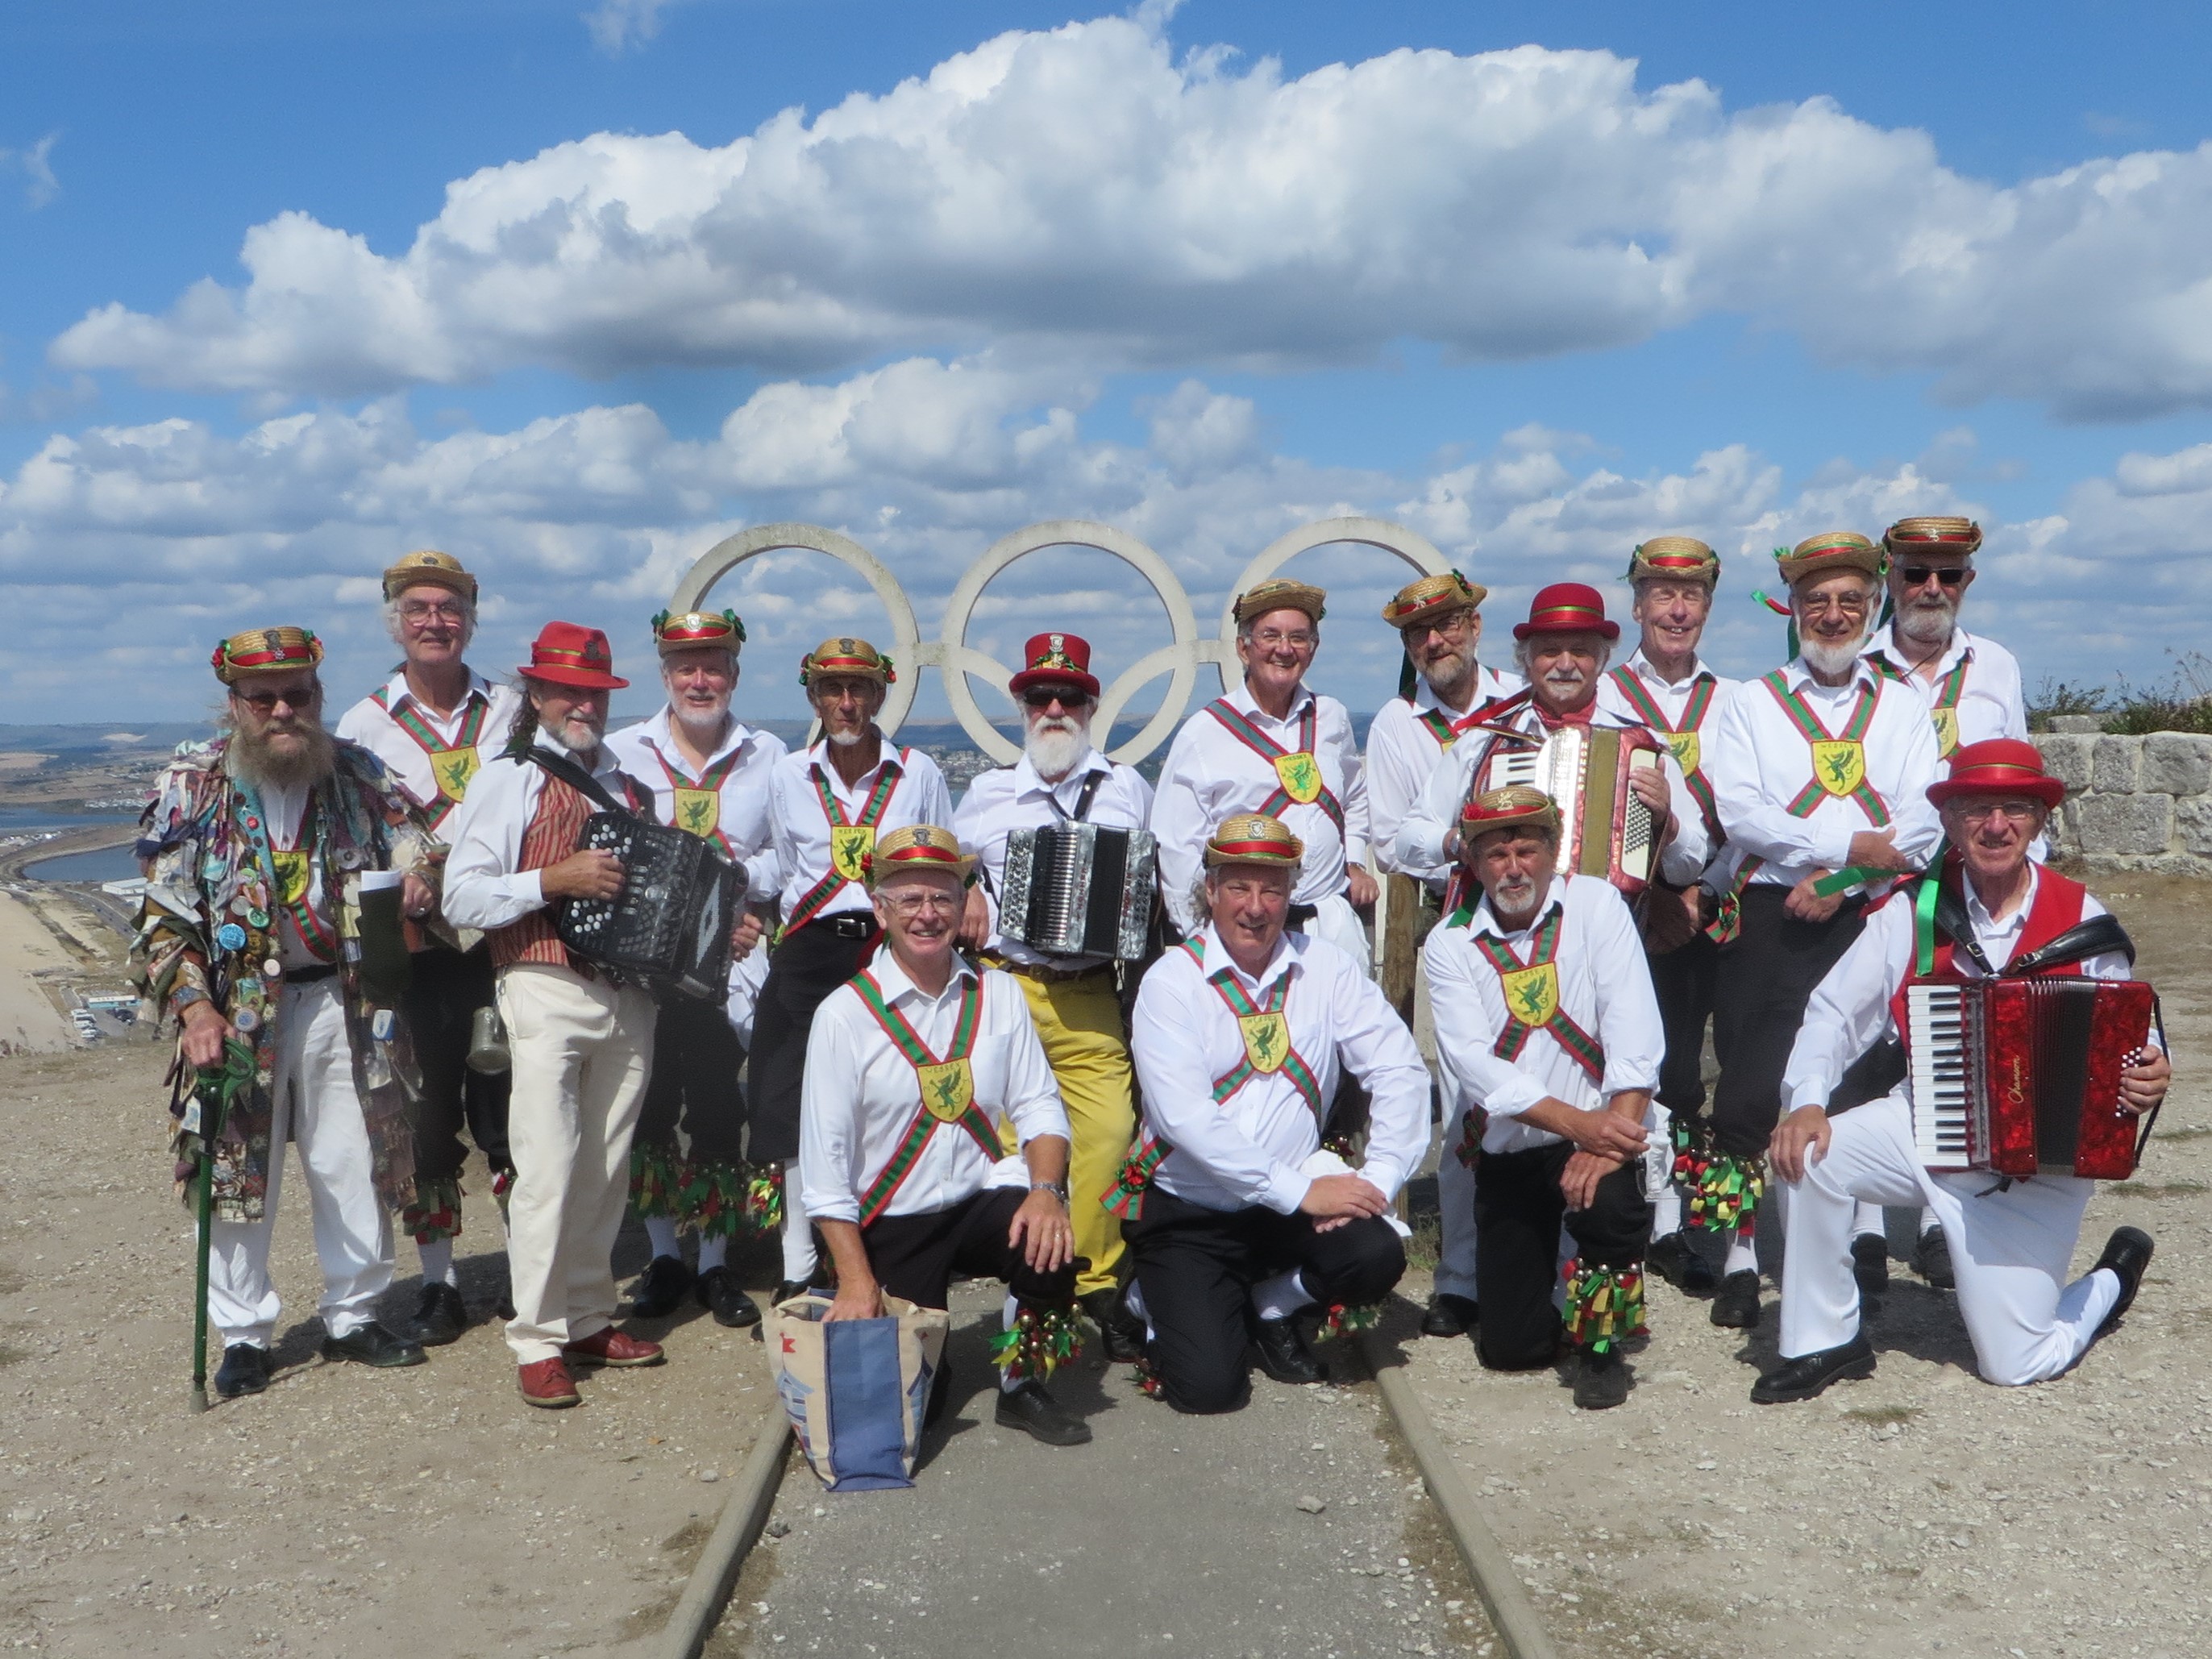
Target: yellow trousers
[[1078, 1021]]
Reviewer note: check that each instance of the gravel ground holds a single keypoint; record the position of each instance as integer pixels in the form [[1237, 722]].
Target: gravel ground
[[1920, 1511], [346, 1511]]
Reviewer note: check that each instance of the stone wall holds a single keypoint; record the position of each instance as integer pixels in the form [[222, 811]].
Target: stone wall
[[2134, 803]]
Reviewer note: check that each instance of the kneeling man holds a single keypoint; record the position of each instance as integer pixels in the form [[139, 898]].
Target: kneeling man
[[1998, 911], [913, 1067], [1550, 1049], [1238, 1221]]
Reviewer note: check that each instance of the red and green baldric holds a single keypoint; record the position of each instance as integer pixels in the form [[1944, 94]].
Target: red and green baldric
[[452, 764], [1943, 706], [1531, 993], [850, 843], [1683, 737], [1297, 771], [947, 1088]]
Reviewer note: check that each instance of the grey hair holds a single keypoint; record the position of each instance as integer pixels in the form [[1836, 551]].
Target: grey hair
[[732, 655], [1520, 655], [397, 630]]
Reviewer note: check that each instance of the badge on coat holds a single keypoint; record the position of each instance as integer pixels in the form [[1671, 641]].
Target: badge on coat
[[1946, 731], [1300, 776], [849, 847], [453, 768], [947, 1090], [291, 875], [1531, 994], [1266, 1041], [1688, 751], [1840, 764], [699, 812]]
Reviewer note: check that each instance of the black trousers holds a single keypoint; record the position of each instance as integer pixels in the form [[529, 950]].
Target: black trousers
[[1518, 1209], [1685, 979], [916, 1255], [1197, 1267], [694, 1084], [444, 990], [807, 966], [1767, 975]]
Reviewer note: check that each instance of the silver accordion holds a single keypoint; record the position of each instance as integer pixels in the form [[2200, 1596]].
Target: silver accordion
[[668, 930], [1079, 889]]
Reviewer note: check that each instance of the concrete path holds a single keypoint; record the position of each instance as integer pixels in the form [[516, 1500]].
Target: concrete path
[[1166, 1535]]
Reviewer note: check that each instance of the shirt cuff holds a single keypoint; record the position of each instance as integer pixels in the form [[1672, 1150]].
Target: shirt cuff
[[1515, 1099], [1834, 849], [1286, 1190]]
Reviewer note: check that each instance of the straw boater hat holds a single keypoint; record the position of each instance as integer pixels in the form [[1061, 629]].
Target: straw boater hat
[[1828, 552], [845, 655], [568, 653], [692, 630], [1280, 594], [1567, 608], [260, 650], [1254, 838], [1056, 660], [1514, 806], [917, 848], [428, 567], [1432, 597], [1675, 558], [1998, 765], [1932, 535]]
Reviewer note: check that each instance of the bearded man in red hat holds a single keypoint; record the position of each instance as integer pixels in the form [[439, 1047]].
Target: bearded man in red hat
[[1074, 1001], [582, 1046], [1996, 908]]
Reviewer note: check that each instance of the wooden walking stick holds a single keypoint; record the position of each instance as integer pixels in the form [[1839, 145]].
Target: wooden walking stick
[[205, 1116]]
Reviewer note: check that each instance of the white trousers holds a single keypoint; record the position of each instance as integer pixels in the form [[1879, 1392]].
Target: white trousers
[[1336, 920], [2010, 1249], [582, 1050], [315, 1108]]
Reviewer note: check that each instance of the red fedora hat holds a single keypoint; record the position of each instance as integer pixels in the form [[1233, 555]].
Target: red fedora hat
[[1567, 608], [1998, 765], [565, 654], [1056, 660]]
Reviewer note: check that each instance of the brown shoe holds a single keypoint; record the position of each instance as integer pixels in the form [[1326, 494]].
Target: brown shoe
[[613, 1347], [546, 1382]]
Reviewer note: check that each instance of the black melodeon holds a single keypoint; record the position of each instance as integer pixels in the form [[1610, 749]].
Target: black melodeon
[[1079, 889]]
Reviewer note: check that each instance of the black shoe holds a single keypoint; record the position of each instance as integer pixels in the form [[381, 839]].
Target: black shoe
[[1870, 1263], [659, 1289], [1284, 1354], [1675, 1259], [245, 1370], [2127, 1253], [1121, 1330], [1806, 1376], [1931, 1259], [1736, 1307], [1037, 1414], [1601, 1380], [373, 1344], [719, 1294], [940, 1393], [1450, 1315], [440, 1318], [788, 1289]]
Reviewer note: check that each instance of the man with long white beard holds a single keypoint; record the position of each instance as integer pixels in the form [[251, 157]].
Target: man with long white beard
[[708, 773], [1074, 1001], [256, 849], [1820, 771]]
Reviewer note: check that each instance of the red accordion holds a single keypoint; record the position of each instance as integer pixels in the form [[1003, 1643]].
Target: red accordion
[[2021, 1076], [1604, 829]]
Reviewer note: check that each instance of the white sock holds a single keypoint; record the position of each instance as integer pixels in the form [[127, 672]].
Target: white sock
[[1008, 1312], [1280, 1296], [437, 1263], [798, 1257], [1928, 1222], [1870, 1219], [713, 1252], [1667, 1211], [661, 1231], [1742, 1256], [1133, 1298]]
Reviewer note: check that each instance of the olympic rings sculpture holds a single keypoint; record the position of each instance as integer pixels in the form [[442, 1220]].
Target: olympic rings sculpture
[[955, 659]]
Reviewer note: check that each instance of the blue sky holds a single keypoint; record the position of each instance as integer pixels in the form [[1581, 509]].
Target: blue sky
[[1575, 276]]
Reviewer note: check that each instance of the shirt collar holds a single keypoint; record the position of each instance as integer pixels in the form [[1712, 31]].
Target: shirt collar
[[819, 756], [603, 765], [1215, 956], [892, 981], [1986, 926], [1640, 665], [1885, 646], [1425, 698], [1241, 701], [396, 691], [1797, 676], [1027, 782], [660, 733], [1485, 920]]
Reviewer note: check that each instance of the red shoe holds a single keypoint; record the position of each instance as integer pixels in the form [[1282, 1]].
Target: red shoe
[[613, 1347], [546, 1382]]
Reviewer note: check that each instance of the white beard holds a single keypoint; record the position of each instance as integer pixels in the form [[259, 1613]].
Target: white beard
[[1053, 753], [846, 739], [1929, 624], [1825, 659], [703, 729]]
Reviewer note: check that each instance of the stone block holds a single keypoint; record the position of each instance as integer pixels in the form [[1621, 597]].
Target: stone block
[[2117, 765], [2192, 824], [2066, 757], [2125, 823], [2065, 827], [2178, 762]]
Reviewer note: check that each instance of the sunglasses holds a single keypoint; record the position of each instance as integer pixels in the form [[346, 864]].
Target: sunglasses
[[264, 701], [1917, 575], [1043, 696]]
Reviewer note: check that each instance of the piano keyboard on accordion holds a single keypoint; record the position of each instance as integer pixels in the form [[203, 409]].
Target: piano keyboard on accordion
[[2021, 1076], [668, 930], [1079, 889], [1604, 829]]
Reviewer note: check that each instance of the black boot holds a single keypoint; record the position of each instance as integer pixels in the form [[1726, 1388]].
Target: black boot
[[659, 1289], [1121, 1330], [373, 1344], [1809, 1374], [721, 1294], [245, 1370], [1450, 1315], [1675, 1259], [1870, 1263], [2127, 1253], [1931, 1259], [1027, 1408], [1284, 1354], [1736, 1307], [1600, 1380], [440, 1318]]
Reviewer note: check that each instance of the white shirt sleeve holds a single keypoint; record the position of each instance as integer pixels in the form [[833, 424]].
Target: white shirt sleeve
[[1849, 1012], [1920, 826], [1032, 1093], [830, 1147], [1629, 1029], [1472, 1074], [1687, 853], [1181, 820], [1435, 809], [1355, 799], [1375, 1046], [482, 888]]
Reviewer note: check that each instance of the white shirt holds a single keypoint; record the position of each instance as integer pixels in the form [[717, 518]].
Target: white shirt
[[1421, 837], [1211, 774], [1011, 798], [1605, 988], [1758, 762], [862, 1094], [1991, 702], [281, 808], [802, 828], [1402, 750], [1672, 697], [1249, 1149], [648, 752], [1850, 1011], [483, 888], [376, 727]]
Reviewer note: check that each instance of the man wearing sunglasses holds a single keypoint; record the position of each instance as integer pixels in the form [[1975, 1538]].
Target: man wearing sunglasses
[[433, 724], [1073, 1001]]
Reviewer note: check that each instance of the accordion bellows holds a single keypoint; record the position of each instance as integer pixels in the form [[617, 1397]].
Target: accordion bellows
[[1604, 829], [668, 930], [1079, 889]]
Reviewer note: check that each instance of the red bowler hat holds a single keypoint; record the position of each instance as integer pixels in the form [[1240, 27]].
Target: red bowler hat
[[1056, 660], [1567, 608], [1998, 765], [564, 653]]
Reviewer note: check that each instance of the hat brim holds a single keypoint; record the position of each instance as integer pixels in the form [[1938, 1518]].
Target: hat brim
[[2050, 791], [1607, 630], [886, 872], [397, 582], [1087, 683], [583, 679]]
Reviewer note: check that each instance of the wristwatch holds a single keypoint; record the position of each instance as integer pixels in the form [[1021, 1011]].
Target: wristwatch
[[1057, 1188]]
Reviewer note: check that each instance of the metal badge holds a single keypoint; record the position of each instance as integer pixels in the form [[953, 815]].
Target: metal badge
[[247, 1020], [230, 937], [381, 1024], [272, 968], [258, 917], [350, 858]]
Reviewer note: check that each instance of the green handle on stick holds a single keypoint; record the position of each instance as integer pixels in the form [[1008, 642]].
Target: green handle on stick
[[213, 1091]]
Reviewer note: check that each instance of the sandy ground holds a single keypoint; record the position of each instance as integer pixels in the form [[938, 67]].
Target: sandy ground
[[28, 1018], [1923, 1510], [345, 1511]]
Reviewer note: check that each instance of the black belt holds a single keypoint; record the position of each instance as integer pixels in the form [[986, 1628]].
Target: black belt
[[847, 924], [321, 970]]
